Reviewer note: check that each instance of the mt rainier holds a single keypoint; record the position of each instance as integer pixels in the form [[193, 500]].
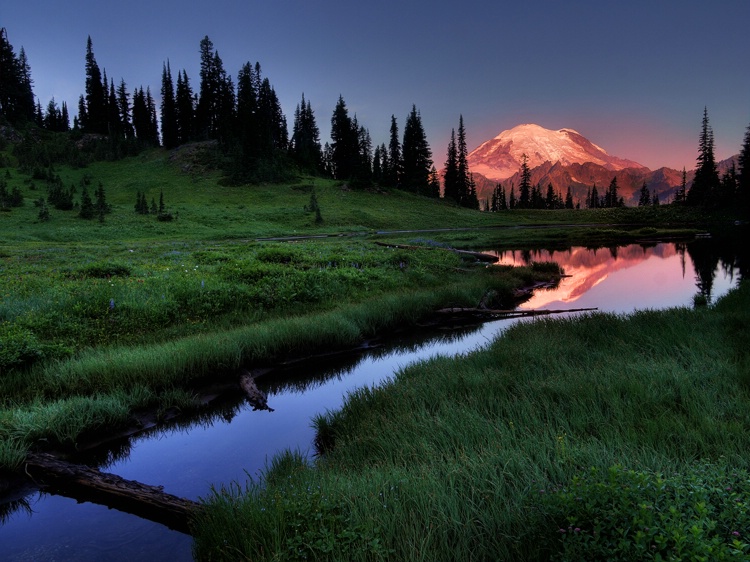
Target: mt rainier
[[500, 158]]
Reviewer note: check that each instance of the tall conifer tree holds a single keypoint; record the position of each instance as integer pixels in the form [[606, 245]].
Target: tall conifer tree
[[169, 131], [184, 109], [450, 177], [706, 182], [743, 173], [123, 104], [462, 176], [395, 161], [305, 145], [344, 142], [416, 155], [524, 197], [96, 114]]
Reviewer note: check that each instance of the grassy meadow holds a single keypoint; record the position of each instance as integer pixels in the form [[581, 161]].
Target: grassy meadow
[[99, 318], [102, 318], [595, 438]]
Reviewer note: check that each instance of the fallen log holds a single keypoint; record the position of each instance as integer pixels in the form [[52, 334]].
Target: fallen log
[[83, 483], [255, 396], [476, 255], [506, 313]]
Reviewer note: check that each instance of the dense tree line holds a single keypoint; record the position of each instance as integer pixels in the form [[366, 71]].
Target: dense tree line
[[16, 94], [246, 124], [710, 191]]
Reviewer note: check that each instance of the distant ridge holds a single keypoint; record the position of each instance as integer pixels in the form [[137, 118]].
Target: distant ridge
[[565, 158]]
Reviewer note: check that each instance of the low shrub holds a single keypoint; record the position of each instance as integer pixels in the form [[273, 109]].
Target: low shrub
[[618, 514]]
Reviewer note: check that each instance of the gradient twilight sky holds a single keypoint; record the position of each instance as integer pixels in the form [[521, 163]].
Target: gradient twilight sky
[[632, 76]]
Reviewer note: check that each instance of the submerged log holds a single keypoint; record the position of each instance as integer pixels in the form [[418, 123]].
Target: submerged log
[[83, 483], [488, 312], [255, 396], [476, 255]]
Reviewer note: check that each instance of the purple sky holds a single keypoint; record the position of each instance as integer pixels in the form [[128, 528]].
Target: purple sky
[[633, 76]]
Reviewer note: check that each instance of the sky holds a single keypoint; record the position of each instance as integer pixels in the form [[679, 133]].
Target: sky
[[633, 77]]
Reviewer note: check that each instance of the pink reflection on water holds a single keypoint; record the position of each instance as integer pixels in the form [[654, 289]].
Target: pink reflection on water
[[628, 278]]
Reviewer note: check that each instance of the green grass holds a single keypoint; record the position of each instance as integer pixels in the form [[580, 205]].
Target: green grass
[[95, 316], [456, 458], [101, 319]]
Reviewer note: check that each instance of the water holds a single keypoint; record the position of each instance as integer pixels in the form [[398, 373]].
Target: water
[[235, 441]]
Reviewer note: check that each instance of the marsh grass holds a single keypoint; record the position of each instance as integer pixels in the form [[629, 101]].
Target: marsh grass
[[456, 458], [61, 399]]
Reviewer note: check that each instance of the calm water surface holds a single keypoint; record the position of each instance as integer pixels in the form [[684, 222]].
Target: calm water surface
[[236, 441]]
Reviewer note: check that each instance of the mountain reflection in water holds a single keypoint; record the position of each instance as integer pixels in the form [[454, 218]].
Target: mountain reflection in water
[[638, 276]]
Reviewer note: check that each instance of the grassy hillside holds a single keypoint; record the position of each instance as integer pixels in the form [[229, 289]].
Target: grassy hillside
[[205, 210]]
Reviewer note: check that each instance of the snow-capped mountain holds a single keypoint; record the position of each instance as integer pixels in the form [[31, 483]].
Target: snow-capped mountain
[[500, 158]]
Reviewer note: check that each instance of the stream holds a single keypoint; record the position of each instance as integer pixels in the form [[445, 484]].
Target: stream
[[232, 442]]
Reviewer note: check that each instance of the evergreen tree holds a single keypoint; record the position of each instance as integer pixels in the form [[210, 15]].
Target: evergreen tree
[[16, 95], [434, 184], [645, 198], [706, 181], [550, 201], [82, 112], [681, 193], [169, 129], [395, 168], [64, 118], [114, 123], [462, 177], [51, 117], [537, 200], [569, 199], [215, 108], [611, 198], [450, 175], [502, 202], [87, 210], [524, 199], [654, 198], [96, 112], [743, 174], [416, 155], [363, 170], [184, 109], [344, 142], [101, 205], [305, 145], [247, 127], [141, 205], [512, 202], [123, 104], [144, 118], [727, 193], [25, 93], [39, 115], [594, 202], [472, 201]]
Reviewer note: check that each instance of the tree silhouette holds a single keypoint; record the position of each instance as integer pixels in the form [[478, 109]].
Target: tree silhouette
[[706, 181]]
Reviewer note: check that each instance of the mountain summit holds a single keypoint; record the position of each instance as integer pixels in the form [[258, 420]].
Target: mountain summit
[[500, 158]]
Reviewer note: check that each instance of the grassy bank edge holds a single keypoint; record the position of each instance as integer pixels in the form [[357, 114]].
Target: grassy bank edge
[[452, 459], [99, 389]]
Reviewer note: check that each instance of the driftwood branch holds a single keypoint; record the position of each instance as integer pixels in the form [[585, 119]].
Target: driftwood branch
[[84, 483], [255, 396], [476, 255], [487, 312]]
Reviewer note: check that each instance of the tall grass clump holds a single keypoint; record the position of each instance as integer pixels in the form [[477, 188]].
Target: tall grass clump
[[560, 424]]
